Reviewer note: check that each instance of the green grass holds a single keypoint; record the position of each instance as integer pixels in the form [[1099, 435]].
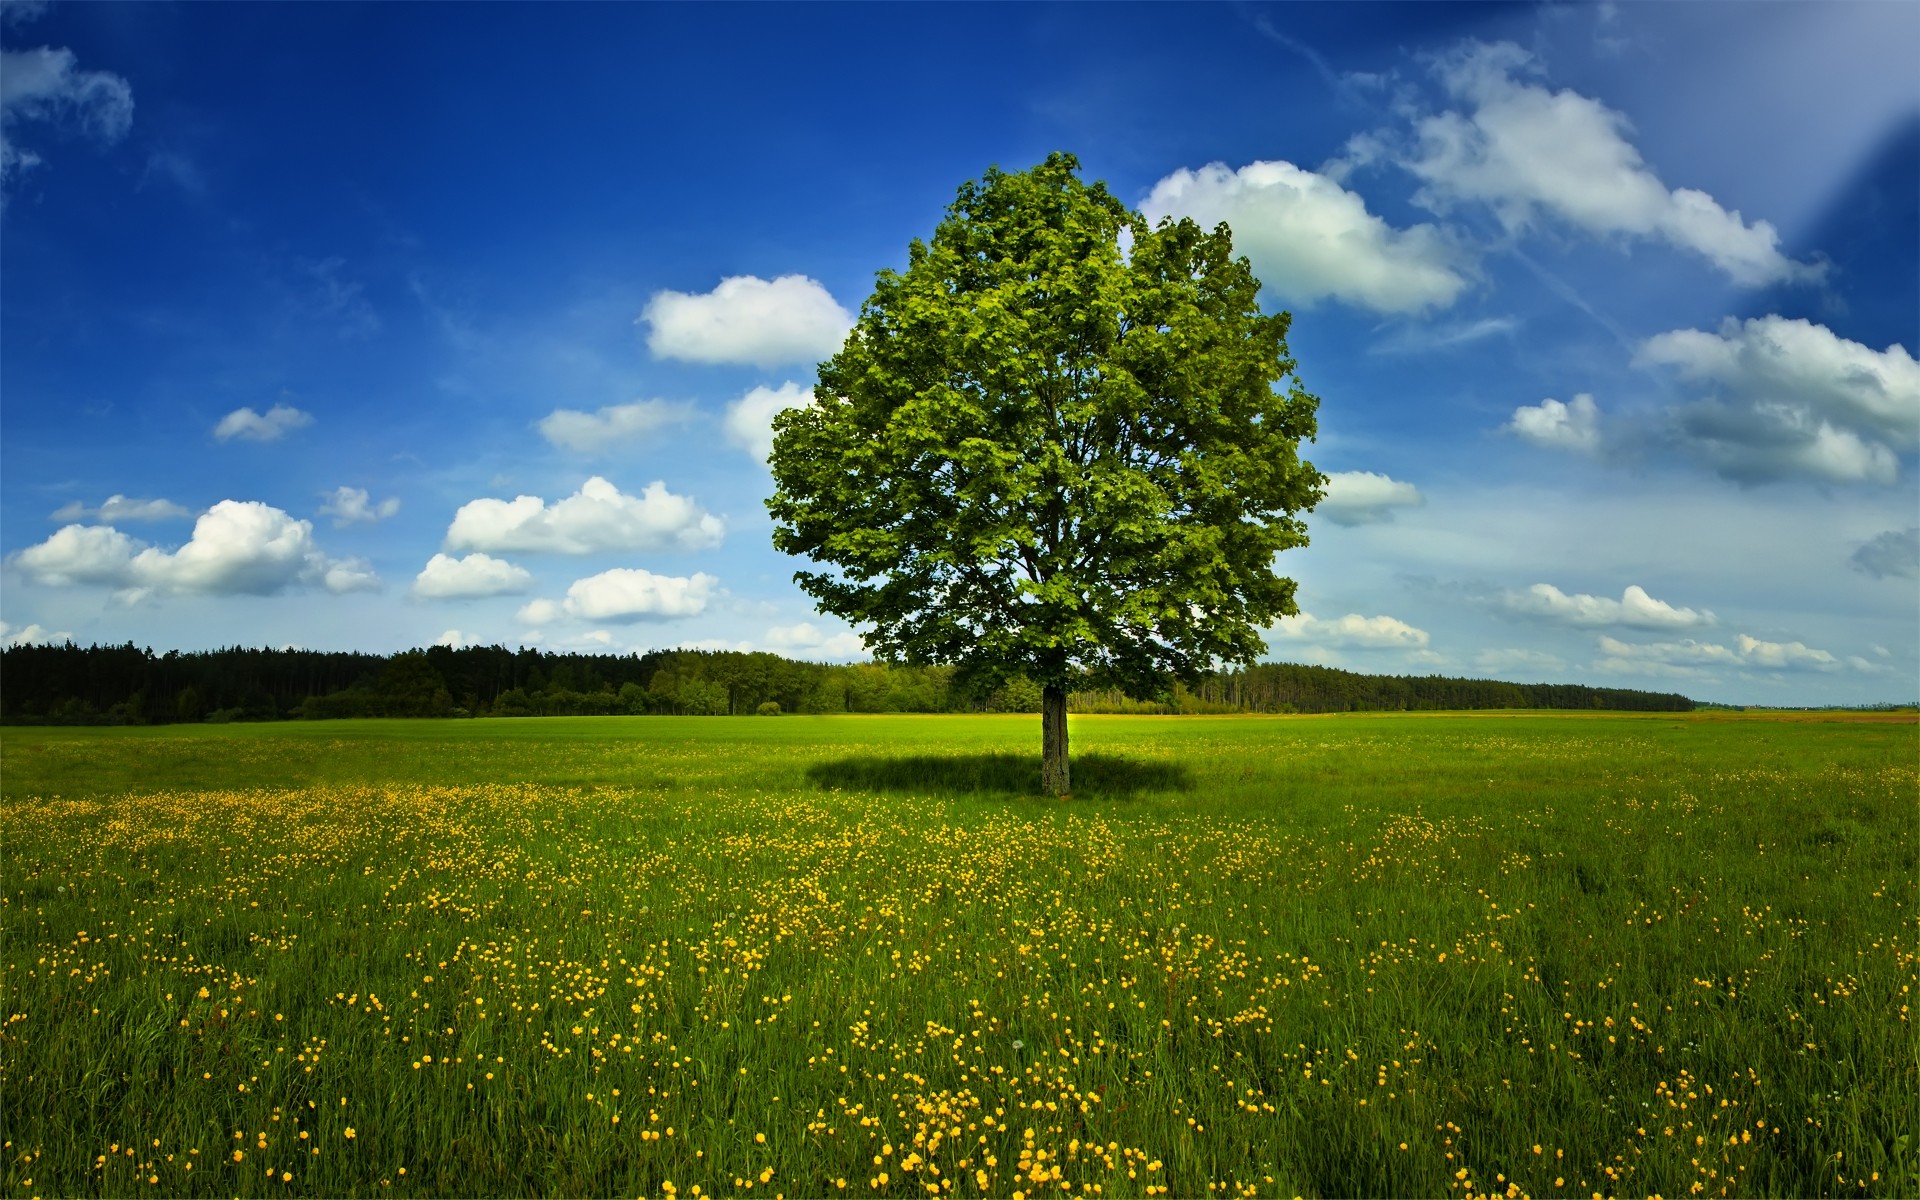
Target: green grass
[[1369, 955]]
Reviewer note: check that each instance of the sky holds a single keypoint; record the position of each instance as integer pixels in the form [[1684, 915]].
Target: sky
[[378, 326]]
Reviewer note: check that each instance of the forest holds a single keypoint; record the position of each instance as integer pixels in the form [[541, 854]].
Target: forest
[[130, 685]]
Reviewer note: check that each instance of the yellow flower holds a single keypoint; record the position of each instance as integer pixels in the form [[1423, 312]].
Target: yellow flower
[[350, 1132]]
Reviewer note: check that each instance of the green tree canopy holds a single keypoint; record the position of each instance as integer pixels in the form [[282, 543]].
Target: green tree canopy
[[1056, 446]]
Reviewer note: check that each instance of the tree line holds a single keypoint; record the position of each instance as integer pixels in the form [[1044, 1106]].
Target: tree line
[[130, 685]]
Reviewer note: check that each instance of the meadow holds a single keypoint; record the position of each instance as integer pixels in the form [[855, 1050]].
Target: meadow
[[1512, 954]]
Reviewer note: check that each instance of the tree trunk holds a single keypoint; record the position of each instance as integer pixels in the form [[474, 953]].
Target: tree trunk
[[1054, 777]]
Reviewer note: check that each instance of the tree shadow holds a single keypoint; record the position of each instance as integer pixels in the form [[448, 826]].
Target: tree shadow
[[1103, 776]]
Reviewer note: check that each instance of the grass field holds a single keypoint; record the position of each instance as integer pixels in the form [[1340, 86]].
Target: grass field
[[1394, 955]]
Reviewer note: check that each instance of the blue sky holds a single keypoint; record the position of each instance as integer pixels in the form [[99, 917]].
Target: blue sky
[[368, 327]]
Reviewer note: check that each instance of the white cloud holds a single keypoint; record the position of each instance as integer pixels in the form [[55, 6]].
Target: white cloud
[[1634, 608], [1365, 498], [1894, 554], [1311, 239], [350, 506], [627, 594], [46, 85], [809, 641], [540, 612], [32, 635], [447, 578], [598, 517], [350, 575], [453, 638], [237, 547], [1791, 398], [1682, 659], [749, 421], [598, 432], [1525, 150], [120, 508], [1352, 630], [749, 320], [1691, 658], [79, 554], [1785, 655], [279, 421], [1573, 426]]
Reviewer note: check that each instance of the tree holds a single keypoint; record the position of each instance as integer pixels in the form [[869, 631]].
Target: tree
[[1043, 452]]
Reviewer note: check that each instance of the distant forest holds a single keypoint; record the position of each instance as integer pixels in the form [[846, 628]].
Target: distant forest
[[127, 685]]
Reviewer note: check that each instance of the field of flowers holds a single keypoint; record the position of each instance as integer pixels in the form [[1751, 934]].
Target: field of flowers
[[1421, 955]]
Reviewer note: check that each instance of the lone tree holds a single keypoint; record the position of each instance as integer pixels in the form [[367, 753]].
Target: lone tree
[[1045, 452]]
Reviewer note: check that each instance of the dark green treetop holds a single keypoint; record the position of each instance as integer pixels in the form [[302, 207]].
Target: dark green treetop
[[1044, 452]]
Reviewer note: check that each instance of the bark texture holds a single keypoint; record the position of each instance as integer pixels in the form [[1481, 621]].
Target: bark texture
[[1055, 779]]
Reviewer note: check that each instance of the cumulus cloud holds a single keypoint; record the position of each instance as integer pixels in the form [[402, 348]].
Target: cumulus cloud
[[1785, 655], [79, 554], [238, 547], [1634, 609], [1788, 398], [1365, 498], [122, 508], [1573, 426], [1894, 554], [1692, 658], [1310, 239], [540, 612], [1352, 630], [749, 420], [251, 426], [350, 575], [32, 635], [598, 517], [610, 427], [453, 638], [47, 86], [447, 578], [1679, 659], [749, 320], [1525, 151], [352, 506], [626, 594], [808, 640]]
